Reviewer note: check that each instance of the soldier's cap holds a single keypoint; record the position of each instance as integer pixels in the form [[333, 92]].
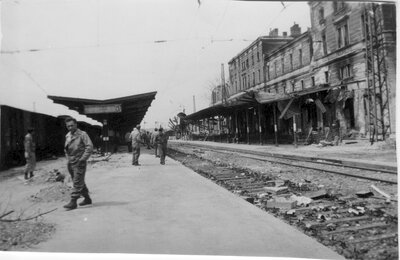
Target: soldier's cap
[[138, 126]]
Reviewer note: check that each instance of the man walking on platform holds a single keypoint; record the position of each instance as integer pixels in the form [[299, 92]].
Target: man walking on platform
[[162, 140], [78, 148], [136, 141], [153, 140], [29, 154]]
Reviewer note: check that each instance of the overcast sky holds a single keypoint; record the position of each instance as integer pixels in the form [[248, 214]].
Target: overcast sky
[[110, 48]]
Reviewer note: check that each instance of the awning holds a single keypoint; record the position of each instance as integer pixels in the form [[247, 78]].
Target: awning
[[263, 97], [209, 112], [120, 113], [241, 98]]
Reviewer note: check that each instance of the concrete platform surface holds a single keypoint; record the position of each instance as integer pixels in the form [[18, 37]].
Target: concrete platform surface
[[155, 209]]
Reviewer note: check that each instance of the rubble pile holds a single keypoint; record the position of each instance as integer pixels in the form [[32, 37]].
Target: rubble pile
[[56, 192], [56, 176], [360, 224]]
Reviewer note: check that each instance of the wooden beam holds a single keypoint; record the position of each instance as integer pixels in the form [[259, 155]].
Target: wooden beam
[[286, 108]]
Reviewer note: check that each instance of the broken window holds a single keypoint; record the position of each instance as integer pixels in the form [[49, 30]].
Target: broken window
[[301, 57], [321, 15], [342, 35], [345, 72], [338, 6], [324, 44]]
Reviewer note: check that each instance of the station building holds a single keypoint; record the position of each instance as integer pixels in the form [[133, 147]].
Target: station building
[[335, 79]]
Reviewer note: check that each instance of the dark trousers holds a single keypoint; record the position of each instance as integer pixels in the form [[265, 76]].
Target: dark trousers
[[135, 154], [77, 172], [163, 153], [156, 149]]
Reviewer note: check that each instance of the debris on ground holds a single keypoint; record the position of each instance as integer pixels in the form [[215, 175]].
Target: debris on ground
[[364, 194], [354, 224], [56, 176], [23, 234], [56, 192]]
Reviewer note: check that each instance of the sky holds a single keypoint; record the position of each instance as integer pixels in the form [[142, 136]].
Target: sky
[[102, 49]]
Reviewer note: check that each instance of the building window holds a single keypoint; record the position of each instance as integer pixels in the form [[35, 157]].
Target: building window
[[258, 57], [293, 85], [345, 72], [338, 6], [248, 81], [326, 76], [267, 74], [301, 57], [321, 15], [302, 84], [275, 69], [291, 61], [313, 81], [324, 44], [254, 78], [342, 35], [252, 60], [259, 76], [247, 63], [365, 29], [282, 65]]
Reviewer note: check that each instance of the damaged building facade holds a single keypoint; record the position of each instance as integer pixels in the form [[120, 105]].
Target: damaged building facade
[[334, 81]]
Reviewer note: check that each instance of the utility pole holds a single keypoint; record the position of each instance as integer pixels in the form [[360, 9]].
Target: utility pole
[[223, 84], [194, 104]]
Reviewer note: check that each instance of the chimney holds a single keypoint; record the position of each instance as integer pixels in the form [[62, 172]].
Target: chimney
[[295, 30], [274, 32], [284, 34]]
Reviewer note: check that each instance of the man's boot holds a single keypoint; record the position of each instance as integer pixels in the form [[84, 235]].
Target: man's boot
[[86, 201], [26, 176], [30, 174], [72, 204]]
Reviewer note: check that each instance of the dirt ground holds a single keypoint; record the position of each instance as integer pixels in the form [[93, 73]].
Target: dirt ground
[[28, 200]]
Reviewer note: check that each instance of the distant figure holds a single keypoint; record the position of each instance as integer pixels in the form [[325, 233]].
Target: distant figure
[[29, 154], [148, 139], [128, 142], [136, 140], [78, 148], [155, 134], [162, 140]]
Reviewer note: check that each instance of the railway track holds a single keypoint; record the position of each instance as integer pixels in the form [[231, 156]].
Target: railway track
[[355, 227], [387, 174]]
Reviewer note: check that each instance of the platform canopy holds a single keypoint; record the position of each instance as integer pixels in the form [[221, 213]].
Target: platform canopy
[[119, 113]]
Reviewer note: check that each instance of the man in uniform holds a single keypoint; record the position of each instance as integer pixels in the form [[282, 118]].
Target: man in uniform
[[78, 147], [135, 137], [29, 154], [153, 140], [162, 140]]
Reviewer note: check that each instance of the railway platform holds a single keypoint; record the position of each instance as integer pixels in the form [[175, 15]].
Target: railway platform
[[169, 209], [360, 152]]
